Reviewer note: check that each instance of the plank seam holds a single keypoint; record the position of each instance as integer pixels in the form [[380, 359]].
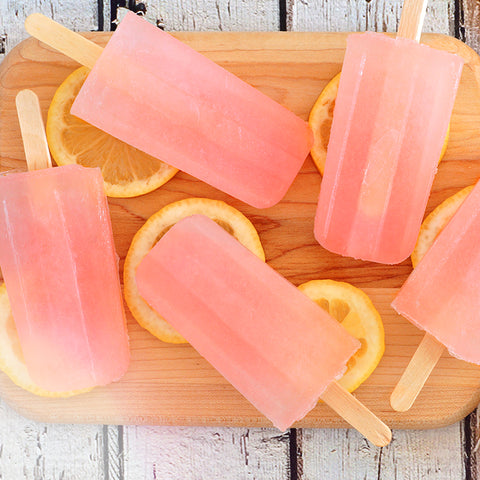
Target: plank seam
[[3, 43], [100, 13], [467, 446], [292, 441], [114, 5], [379, 469], [295, 453], [459, 20], [282, 7]]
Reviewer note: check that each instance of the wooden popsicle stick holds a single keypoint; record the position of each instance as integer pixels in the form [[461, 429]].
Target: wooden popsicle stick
[[415, 375], [411, 21], [356, 414], [33, 131], [429, 350], [62, 39]]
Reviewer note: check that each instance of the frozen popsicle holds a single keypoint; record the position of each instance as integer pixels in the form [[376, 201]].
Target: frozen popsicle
[[60, 268], [164, 98], [269, 340], [392, 111], [441, 296]]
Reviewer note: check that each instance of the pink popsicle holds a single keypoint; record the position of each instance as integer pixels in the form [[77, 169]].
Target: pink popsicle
[[390, 121], [60, 268], [269, 340], [441, 296], [161, 96]]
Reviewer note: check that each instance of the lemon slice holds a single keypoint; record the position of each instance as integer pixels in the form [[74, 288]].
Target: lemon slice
[[355, 311], [233, 221], [127, 172], [320, 121], [11, 357], [435, 222]]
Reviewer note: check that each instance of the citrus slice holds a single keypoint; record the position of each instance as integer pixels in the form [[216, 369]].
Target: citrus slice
[[11, 357], [127, 172], [355, 311], [320, 121], [435, 222], [233, 221]]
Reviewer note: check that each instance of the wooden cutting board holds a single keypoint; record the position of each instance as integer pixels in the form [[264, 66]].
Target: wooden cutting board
[[172, 384]]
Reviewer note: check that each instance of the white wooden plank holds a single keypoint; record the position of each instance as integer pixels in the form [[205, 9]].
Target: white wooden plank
[[232, 15], [105, 13], [191, 452], [75, 14], [355, 15], [470, 19], [412, 455], [113, 452], [32, 450]]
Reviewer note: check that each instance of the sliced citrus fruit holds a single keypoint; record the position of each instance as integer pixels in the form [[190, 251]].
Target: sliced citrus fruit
[[127, 172], [320, 121], [435, 222], [11, 357], [233, 221], [355, 311]]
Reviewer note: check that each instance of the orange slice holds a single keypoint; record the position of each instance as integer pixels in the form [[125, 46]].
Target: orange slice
[[355, 311], [320, 121], [127, 172], [11, 357], [233, 221], [435, 222]]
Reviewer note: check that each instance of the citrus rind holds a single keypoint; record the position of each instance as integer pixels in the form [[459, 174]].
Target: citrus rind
[[233, 221], [355, 311], [435, 222], [320, 121], [11, 357], [127, 172]]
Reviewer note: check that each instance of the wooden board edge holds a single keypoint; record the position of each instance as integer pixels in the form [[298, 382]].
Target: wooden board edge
[[398, 422], [446, 42], [474, 60], [444, 421]]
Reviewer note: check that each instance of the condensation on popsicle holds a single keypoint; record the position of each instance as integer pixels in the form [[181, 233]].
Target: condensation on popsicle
[[60, 268], [391, 116], [161, 96], [441, 295], [269, 340]]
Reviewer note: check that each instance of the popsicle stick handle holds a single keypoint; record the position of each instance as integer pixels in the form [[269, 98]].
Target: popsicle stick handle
[[411, 20], [357, 414], [33, 130], [62, 39], [415, 375]]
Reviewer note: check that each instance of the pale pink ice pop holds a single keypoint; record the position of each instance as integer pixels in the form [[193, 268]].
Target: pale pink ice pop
[[60, 268], [270, 341], [391, 116], [161, 96], [441, 295]]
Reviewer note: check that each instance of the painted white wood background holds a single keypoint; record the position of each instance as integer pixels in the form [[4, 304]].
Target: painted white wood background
[[30, 450]]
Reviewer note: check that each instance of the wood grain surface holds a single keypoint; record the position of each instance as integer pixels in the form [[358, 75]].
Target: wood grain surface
[[360, 15], [169, 384], [234, 15], [412, 455], [32, 450]]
